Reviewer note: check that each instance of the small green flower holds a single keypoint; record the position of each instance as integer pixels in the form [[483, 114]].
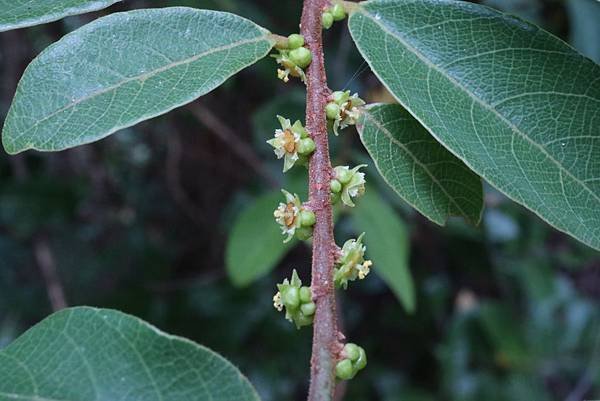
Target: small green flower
[[294, 218], [297, 300], [286, 215], [349, 109], [290, 141], [354, 359], [352, 181], [351, 263], [288, 66]]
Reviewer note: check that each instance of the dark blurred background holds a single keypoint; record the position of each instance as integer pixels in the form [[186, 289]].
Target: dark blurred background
[[140, 222]]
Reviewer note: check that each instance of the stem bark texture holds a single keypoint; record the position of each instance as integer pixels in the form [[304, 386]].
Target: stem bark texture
[[325, 338]]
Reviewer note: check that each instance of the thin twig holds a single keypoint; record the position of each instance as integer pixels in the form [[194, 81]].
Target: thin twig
[[326, 345], [234, 141], [45, 260]]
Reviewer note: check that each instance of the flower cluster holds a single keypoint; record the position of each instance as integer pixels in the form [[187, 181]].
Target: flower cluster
[[294, 144], [351, 263], [343, 109], [353, 360], [297, 300], [331, 14], [293, 59], [347, 184], [291, 143], [294, 218]]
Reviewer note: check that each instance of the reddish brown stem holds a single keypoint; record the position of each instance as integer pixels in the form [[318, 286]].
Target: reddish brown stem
[[325, 337]]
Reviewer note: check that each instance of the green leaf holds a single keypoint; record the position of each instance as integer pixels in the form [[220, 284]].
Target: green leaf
[[255, 245], [16, 14], [125, 68], [417, 167], [99, 354], [387, 244], [520, 107]]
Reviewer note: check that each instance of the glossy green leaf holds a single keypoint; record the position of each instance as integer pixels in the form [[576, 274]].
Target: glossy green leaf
[[387, 244], [16, 14], [99, 354], [125, 68], [417, 167], [520, 107], [255, 244]]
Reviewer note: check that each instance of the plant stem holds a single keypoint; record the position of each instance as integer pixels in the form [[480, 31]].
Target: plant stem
[[325, 335]]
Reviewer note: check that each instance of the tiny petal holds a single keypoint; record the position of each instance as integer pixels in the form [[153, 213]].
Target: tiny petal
[[351, 264], [277, 301]]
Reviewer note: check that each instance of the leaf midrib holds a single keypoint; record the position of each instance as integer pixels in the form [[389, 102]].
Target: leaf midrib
[[417, 162], [143, 77], [512, 126]]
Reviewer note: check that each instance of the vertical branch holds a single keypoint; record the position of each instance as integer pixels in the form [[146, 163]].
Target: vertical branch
[[325, 337]]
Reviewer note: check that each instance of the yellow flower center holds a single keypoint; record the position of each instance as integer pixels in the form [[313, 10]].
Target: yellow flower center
[[289, 217], [289, 142]]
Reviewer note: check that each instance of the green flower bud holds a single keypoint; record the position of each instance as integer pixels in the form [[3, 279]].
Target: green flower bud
[[327, 20], [308, 309], [343, 174], [304, 233], [340, 97], [361, 362], [335, 186], [307, 218], [335, 198], [306, 146], [291, 298], [351, 351], [344, 370], [338, 12], [301, 57], [297, 300], [332, 110], [305, 294], [295, 41], [302, 320]]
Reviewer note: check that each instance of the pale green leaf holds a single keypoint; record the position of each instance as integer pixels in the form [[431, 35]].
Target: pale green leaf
[[255, 244], [417, 167], [520, 107], [125, 68], [388, 245], [16, 14], [98, 354]]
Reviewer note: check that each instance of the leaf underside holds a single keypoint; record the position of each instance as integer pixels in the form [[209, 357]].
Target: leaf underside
[[99, 354], [520, 107], [125, 68], [16, 14], [387, 244], [417, 167]]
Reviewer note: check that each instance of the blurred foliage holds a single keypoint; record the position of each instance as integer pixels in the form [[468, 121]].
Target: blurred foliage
[[139, 222]]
